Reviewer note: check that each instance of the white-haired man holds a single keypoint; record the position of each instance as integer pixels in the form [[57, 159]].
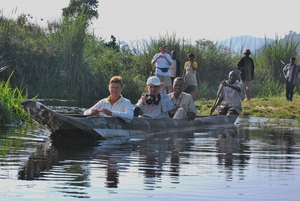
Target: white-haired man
[[156, 103]]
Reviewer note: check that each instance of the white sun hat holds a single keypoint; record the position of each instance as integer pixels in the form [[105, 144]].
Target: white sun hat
[[153, 80]]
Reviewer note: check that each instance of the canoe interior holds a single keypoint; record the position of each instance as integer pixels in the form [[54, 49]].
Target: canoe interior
[[75, 126]]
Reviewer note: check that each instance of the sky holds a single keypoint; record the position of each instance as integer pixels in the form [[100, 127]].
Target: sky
[[215, 20]]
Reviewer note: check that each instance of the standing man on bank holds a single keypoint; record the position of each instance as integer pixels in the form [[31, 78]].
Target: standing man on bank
[[246, 67], [175, 67], [162, 62], [290, 72]]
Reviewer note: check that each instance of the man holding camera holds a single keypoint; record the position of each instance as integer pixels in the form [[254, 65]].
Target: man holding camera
[[156, 104], [162, 62]]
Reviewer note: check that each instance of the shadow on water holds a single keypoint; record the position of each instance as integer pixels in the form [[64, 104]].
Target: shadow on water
[[75, 165], [54, 150], [231, 144]]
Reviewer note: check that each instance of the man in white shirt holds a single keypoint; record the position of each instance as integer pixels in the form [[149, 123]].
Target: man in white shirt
[[115, 105], [163, 61]]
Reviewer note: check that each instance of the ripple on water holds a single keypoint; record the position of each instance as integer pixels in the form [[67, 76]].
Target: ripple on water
[[240, 162]]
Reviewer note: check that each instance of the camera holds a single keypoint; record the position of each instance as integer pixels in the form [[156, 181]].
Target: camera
[[150, 98]]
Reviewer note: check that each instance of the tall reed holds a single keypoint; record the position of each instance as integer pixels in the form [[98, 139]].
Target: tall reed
[[67, 61], [10, 99], [269, 79]]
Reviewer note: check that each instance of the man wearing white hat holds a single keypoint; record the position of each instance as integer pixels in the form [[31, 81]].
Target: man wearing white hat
[[156, 103]]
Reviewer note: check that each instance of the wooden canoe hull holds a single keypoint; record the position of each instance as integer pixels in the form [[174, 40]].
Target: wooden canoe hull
[[111, 127]]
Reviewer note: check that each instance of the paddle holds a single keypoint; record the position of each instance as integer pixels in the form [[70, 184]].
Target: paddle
[[219, 92], [77, 115]]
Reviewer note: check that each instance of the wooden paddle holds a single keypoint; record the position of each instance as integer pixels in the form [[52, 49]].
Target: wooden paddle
[[219, 92], [77, 115]]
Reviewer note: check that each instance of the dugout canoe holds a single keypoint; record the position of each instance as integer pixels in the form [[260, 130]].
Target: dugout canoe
[[71, 125]]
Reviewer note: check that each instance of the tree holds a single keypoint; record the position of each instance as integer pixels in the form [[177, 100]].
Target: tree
[[113, 44], [87, 7]]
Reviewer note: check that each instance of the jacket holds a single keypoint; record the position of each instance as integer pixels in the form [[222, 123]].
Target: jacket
[[242, 64]]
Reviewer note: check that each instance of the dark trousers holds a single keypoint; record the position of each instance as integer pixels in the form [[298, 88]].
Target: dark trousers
[[289, 88], [227, 111]]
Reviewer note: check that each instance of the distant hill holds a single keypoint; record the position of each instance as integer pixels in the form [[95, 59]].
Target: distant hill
[[239, 43]]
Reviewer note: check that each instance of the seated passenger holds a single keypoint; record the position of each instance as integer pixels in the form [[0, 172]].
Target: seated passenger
[[115, 105], [184, 106], [229, 96], [156, 104]]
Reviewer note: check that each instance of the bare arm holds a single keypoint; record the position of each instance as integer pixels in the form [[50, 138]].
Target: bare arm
[[153, 61], [234, 87]]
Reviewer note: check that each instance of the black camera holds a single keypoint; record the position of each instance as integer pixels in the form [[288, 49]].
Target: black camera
[[150, 98]]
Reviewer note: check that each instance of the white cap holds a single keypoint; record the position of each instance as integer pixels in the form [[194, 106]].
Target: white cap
[[153, 80]]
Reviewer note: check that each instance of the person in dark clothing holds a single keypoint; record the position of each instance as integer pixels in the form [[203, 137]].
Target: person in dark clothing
[[246, 67], [175, 67], [290, 72]]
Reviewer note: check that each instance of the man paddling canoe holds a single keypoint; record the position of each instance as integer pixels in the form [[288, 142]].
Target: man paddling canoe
[[229, 96]]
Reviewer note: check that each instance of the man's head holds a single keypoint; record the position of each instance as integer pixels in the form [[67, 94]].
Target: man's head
[[115, 86], [292, 60], [116, 79], [191, 57], [247, 52], [233, 77], [173, 54], [163, 48], [178, 85], [153, 85]]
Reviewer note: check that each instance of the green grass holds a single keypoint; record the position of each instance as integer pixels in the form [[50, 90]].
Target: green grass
[[10, 100], [271, 107]]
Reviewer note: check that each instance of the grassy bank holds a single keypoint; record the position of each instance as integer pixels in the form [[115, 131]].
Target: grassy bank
[[271, 107]]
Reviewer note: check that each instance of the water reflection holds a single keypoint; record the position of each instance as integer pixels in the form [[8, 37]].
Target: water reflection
[[83, 169], [70, 160], [288, 142], [232, 150], [48, 155], [157, 153], [231, 143]]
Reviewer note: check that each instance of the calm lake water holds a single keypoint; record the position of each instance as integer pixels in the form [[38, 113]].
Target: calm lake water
[[250, 160]]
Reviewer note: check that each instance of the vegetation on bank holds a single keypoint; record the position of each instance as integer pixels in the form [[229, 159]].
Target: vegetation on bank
[[271, 107], [10, 100], [65, 60]]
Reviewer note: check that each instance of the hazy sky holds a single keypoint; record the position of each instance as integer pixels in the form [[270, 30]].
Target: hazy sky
[[190, 19]]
